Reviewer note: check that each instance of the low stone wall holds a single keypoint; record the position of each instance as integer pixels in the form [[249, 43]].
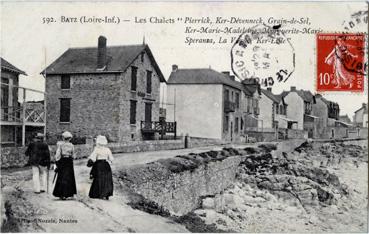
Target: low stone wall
[[138, 146], [296, 134], [15, 157], [262, 136], [178, 185], [193, 142], [12, 157]]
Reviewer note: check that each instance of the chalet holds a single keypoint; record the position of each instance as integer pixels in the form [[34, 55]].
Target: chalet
[[20, 119], [300, 108], [251, 108], [361, 116], [207, 103], [108, 90]]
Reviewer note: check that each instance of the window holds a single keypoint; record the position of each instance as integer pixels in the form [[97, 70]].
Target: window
[[142, 57], [132, 111], [65, 82], [241, 124], [65, 110], [226, 95], [148, 111], [236, 126], [133, 78], [148, 81], [277, 109], [237, 100], [226, 124]]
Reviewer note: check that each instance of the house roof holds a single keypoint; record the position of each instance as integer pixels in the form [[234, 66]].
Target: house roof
[[5, 65], [345, 118], [306, 95], [84, 60], [270, 95], [251, 89], [362, 107], [201, 76]]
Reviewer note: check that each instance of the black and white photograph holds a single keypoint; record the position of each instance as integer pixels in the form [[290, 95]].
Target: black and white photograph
[[184, 116]]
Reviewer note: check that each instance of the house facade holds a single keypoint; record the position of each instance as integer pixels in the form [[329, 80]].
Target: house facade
[[207, 103], [360, 118], [108, 90], [251, 107], [20, 120], [326, 110], [269, 105], [300, 108]]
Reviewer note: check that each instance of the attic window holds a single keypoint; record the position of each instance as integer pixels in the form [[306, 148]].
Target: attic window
[[65, 82], [142, 57]]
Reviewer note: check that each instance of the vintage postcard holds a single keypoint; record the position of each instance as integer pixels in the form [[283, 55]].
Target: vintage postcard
[[184, 116]]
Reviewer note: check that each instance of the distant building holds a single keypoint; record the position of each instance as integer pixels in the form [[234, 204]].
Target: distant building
[[300, 108], [109, 90], [20, 120], [251, 109], [345, 119], [361, 116], [207, 103], [326, 110], [273, 111]]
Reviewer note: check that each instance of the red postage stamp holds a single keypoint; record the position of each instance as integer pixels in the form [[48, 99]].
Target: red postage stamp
[[340, 62]]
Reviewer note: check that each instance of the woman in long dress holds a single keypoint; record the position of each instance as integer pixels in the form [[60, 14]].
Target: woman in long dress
[[102, 185], [65, 185]]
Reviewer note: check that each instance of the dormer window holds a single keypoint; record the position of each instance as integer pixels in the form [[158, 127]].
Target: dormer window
[[65, 82]]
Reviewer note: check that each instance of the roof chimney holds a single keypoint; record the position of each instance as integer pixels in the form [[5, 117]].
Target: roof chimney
[[293, 88], [174, 67], [269, 89], [232, 77], [227, 73], [101, 52], [364, 105]]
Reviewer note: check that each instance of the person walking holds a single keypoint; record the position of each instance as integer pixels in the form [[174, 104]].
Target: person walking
[[39, 158], [102, 184], [65, 185]]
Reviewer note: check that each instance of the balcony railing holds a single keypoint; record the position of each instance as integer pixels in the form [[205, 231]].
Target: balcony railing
[[11, 114], [229, 106], [161, 127], [32, 114]]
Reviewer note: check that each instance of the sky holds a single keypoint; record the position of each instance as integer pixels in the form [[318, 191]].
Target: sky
[[30, 45]]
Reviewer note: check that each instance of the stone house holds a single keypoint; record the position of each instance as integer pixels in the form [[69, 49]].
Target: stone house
[[19, 121], [109, 90], [207, 103], [251, 108], [360, 118], [300, 108]]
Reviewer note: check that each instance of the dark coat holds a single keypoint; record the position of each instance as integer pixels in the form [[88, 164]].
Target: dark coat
[[39, 154]]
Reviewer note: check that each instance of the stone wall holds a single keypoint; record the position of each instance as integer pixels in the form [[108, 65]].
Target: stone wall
[[178, 185], [137, 146], [15, 157]]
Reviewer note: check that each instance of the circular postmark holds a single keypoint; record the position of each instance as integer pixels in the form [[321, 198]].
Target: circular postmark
[[359, 23], [263, 53]]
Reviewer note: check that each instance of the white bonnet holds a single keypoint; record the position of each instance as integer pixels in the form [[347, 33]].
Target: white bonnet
[[67, 134], [101, 140]]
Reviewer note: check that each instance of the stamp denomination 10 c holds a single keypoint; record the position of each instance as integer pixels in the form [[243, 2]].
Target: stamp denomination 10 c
[[340, 62]]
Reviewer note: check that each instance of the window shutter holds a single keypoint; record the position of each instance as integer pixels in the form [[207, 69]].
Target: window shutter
[[65, 110]]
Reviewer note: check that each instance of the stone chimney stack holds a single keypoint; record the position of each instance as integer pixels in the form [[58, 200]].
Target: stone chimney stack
[[101, 52], [232, 77], [364, 105], [269, 89], [226, 73], [293, 88], [174, 67]]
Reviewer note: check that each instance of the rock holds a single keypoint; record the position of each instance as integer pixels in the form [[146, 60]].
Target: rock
[[208, 203]]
